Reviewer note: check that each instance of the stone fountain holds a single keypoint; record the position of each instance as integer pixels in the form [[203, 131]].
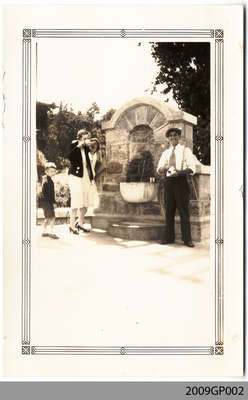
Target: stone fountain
[[139, 125]]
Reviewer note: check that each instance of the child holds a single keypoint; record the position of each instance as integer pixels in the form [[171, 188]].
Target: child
[[48, 200]]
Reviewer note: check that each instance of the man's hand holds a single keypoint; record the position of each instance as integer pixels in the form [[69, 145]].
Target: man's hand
[[172, 172], [185, 172], [162, 170]]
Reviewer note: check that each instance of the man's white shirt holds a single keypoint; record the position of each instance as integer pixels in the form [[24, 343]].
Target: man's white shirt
[[184, 158]]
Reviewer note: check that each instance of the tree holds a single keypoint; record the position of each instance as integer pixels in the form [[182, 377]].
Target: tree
[[42, 111], [57, 129], [185, 70], [108, 115]]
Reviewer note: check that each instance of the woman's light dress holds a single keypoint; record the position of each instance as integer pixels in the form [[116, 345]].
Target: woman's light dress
[[83, 191], [90, 196]]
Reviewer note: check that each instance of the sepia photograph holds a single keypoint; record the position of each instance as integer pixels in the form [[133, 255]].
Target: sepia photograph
[[123, 192]]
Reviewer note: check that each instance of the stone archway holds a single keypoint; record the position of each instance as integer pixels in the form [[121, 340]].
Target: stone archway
[[141, 115], [141, 111]]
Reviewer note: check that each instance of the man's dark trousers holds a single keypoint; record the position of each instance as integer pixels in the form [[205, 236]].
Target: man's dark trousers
[[176, 196]]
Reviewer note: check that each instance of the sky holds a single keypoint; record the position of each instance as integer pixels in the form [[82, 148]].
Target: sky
[[109, 72]]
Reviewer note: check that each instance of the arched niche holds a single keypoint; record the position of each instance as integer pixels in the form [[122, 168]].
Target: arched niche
[[140, 139]]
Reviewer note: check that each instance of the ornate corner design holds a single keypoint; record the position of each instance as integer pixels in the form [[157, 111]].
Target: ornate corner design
[[219, 351], [26, 350], [26, 33], [219, 33]]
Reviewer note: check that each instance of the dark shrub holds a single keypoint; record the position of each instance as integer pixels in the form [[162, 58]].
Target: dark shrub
[[140, 168]]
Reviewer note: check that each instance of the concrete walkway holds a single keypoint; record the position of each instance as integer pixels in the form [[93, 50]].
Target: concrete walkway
[[97, 290]]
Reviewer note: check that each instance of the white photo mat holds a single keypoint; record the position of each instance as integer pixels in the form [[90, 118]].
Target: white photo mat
[[225, 39]]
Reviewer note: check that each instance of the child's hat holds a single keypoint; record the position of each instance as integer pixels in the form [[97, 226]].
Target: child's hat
[[50, 165]]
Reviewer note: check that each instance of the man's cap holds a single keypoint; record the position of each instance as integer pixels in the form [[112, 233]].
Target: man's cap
[[178, 131], [50, 165]]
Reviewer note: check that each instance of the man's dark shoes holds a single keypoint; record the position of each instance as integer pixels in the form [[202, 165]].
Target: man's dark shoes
[[189, 244], [166, 241]]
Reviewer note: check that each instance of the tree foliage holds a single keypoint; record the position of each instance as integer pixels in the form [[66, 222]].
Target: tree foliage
[[184, 68], [58, 126]]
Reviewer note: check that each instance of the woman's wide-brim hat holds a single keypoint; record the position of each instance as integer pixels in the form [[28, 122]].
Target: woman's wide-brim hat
[[177, 130], [82, 132]]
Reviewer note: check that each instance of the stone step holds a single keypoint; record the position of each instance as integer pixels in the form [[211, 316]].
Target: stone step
[[131, 230], [117, 225]]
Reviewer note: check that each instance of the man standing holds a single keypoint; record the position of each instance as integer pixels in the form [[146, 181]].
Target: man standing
[[174, 165]]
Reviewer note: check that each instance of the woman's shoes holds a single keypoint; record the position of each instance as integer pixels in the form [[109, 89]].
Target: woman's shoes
[[82, 229], [74, 231]]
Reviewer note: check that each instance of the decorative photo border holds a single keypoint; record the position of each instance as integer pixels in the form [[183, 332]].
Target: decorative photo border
[[217, 37]]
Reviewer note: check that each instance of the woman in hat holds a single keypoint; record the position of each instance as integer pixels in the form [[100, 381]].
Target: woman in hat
[[78, 152], [84, 166], [90, 194]]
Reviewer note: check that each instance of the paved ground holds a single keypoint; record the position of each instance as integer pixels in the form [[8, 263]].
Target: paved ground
[[93, 289]]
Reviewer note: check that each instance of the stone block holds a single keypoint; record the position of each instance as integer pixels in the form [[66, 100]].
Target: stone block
[[114, 167], [202, 185], [107, 203], [117, 136], [199, 208], [119, 155], [151, 208], [108, 187], [121, 207]]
